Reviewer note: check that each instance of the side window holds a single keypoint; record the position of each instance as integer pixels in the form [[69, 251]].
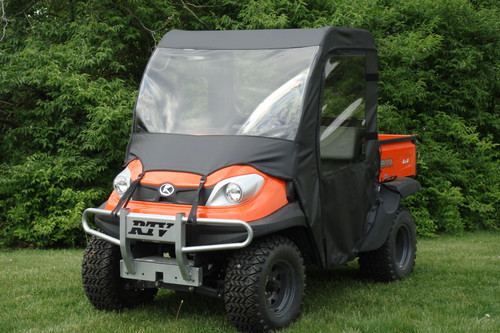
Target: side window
[[343, 113]]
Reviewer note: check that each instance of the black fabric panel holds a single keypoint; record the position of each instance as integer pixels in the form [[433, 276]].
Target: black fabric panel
[[371, 136], [306, 169], [339, 37], [372, 77], [344, 215], [204, 154], [265, 39]]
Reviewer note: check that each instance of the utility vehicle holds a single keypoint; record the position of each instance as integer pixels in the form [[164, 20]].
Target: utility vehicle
[[252, 154]]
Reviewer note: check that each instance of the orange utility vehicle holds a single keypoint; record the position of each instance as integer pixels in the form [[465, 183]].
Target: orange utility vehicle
[[252, 154]]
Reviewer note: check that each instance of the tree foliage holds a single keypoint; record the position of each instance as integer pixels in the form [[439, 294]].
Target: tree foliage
[[69, 72]]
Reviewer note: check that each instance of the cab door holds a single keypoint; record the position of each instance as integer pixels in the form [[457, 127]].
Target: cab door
[[346, 178]]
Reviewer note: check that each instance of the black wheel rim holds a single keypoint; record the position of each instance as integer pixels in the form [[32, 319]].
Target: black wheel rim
[[279, 290], [403, 247]]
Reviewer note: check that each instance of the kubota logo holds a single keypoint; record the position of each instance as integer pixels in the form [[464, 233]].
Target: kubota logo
[[166, 190], [148, 228]]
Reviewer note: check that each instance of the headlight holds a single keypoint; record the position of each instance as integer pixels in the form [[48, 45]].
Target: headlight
[[122, 182], [234, 193], [235, 190]]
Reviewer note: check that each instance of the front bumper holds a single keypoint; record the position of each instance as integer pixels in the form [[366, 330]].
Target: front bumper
[[162, 229]]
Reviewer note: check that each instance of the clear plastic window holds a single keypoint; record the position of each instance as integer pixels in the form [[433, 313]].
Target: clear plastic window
[[224, 92], [343, 112]]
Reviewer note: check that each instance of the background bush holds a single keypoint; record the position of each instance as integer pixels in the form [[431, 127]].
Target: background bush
[[69, 72]]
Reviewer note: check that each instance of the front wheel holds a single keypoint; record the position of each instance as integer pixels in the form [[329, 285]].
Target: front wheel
[[395, 259], [264, 285], [102, 283]]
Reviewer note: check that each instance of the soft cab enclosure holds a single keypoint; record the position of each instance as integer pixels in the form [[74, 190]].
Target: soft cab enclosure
[[297, 105]]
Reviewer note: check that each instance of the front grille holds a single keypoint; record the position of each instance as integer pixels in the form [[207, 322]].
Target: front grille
[[181, 195]]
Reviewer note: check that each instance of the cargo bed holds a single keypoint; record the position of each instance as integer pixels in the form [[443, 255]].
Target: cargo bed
[[397, 156]]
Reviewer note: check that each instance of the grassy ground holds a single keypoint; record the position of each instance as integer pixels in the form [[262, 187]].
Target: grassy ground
[[455, 288]]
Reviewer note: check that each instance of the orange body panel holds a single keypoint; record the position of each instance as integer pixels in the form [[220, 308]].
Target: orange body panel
[[397, 159], [271, 197]]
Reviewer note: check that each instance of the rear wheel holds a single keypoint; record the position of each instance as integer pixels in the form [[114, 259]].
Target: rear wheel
[[395, 259], [264, 285], [102, 283]]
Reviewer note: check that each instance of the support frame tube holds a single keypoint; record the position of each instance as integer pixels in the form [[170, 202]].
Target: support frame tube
[[179, 240]]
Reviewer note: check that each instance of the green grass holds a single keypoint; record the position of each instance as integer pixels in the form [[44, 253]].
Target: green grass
[[455, 288]]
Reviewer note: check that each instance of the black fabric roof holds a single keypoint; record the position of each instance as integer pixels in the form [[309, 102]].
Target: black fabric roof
[[267, 39]]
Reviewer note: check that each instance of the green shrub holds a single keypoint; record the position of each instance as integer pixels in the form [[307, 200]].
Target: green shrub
[[70, 72]]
